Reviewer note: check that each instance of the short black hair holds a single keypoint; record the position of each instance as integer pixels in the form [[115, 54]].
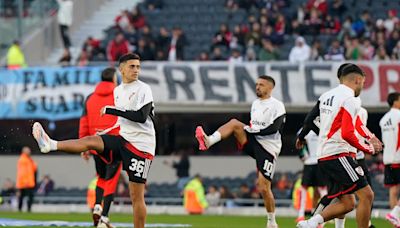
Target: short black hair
[[349, 68], [127, 57], [392, 97], [107, 75], [268, 78]]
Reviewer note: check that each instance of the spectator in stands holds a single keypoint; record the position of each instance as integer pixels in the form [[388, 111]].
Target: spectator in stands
[[137, 19], [146, 34], [177, 45], [353, 49], [117, 47], [284, 185], [330, 25], [367, 50], [122, 188], [182, 167], [15, 56], [338, 8], [65, 15], [381, 54], [123, 20], [254, 34], [300, 52], [236, 56], [335, 52], [223, 37], [320, 5], [250, 54], [203, 56], [313, 23], [130, 35], [154, 4], [217, 54], [392, 41], [46, 185], [144, 50], [347, 29], [231, 5], [213, 197], [65, 59], [244, 192], [280, 25], [8, 190], [26, 177], [92, 47], [391, 20], [296, 28], [162, 43], [83, 58], [316, 51], [268, 52], [238, 38], [396, 51], [227, 196]]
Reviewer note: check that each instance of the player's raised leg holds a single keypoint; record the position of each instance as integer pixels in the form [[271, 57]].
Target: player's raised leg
[[233, 126], [46, 144]]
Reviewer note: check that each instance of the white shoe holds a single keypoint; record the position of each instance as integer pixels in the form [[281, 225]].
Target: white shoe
[[272, 226], [306, 224], [41, 137], [105, 223], [97, 210]]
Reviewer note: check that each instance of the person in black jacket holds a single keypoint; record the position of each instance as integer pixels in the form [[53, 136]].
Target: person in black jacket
[[182, 169]]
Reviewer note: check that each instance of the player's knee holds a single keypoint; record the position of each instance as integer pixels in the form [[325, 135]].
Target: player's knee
[[350, 204], [265, 190], [369, 195]]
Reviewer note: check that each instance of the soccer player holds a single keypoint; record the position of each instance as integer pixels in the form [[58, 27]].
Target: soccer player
[[135, 145], [91, 122], [337, 110], [312, 177], [261, 139], [390, 127]]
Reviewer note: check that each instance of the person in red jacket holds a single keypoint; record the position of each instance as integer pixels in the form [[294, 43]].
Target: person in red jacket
[[117, 47], [91, 123]]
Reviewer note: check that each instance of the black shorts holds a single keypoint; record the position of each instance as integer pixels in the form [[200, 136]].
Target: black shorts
[[265, 161], [104, 170], [134, 162], [392, 175], [364, 166], [312, 176], [343, 176]]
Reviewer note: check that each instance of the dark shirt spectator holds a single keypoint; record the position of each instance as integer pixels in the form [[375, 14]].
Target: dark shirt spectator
[[223, 37], [144, 50], [177, 45], [46, 185]]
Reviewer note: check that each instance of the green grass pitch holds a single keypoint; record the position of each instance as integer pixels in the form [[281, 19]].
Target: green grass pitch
[[197, 221]]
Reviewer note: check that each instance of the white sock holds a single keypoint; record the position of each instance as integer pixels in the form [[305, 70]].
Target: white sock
[[53, 144], [214, 138], [395, 211], [303, 196], [318, 219], [105, 219], [271, 218], [339, 223]]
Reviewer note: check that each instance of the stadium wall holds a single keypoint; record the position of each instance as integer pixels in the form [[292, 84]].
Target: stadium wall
[[72, 171]]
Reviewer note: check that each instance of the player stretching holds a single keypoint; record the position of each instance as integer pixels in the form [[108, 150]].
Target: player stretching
[[92, 122], [261, 140], [337, 110], [390, 127], [136, 144]]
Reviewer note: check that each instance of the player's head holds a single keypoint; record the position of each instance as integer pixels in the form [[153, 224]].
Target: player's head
[[129, 66], [264, 86], [393, 100], [26, 150], [352, 75], [109, 75]]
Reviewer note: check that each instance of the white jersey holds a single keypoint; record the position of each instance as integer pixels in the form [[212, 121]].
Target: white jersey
[[390, 124], [312, 147], [263, 113], [335, 105], [363, 115], [133, 96]]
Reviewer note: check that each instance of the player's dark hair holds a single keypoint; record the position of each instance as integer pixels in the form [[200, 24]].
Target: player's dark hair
[[107, 75], [349, 68], [268, 78], [127, 57], [392, 97]]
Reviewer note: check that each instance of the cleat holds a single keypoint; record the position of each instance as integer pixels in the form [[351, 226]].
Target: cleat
[[392, 219], [105, 223], [306, 224], [97, 210], [41, 137], [201, 138], [272, 226]]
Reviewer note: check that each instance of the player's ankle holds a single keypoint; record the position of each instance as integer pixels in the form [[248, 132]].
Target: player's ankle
[[53, 144]]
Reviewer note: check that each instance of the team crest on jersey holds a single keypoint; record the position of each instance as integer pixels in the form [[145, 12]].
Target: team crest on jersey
[[360, 171], [131, 95]]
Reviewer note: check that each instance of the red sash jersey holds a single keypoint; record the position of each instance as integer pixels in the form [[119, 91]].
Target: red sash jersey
[[390, 127], [91, 122], [338, 117]]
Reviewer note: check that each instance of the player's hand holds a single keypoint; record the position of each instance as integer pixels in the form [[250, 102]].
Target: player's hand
[[250, 130], [103, 109], [376, 143], [300, 143], [85, 155]]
